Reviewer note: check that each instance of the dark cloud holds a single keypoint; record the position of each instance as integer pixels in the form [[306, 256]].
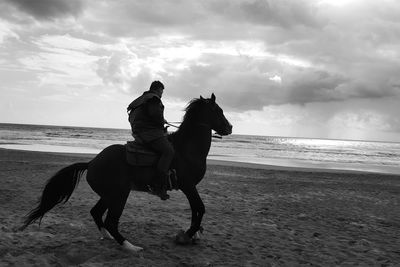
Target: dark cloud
[[350, 55], [144, 18], [49, 9], [309, 85], [164, 13], [284, 13], [201, 19], [245, 84]]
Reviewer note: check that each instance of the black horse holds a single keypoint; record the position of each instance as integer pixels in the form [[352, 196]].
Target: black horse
[[112, 178]]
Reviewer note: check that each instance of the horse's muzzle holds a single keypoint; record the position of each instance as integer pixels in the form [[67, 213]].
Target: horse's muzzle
[[226, 131]]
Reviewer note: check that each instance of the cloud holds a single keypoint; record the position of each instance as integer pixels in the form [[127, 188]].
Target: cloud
[[124, 72], [59, 64], [198, 19], [244, 83], [251, 53], [349, 119], [243, 78], [292, 67], [284, 13], [49, 9], [321, 52], [143, 18], [362, 120], [6, 32]]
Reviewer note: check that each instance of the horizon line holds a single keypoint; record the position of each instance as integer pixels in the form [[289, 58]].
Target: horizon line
[[256, 135]]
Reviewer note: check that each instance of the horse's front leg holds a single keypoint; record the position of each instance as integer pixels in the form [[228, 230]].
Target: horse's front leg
[[198, 210]]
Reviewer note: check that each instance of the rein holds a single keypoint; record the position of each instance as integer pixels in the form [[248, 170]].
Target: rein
[[169, 124], [201, 124]]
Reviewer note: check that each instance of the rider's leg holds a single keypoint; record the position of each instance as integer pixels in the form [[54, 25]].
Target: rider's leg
[[166, 151]]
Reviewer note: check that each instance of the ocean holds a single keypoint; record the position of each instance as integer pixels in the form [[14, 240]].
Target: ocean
[[382, 157]]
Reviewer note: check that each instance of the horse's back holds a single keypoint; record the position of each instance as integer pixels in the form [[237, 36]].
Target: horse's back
[[108, 167], [110, 154]]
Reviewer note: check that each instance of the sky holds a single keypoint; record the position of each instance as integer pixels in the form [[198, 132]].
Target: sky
[[297, 68]]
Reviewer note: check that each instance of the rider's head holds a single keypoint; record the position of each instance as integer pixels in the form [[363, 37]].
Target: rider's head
[[157, 87]]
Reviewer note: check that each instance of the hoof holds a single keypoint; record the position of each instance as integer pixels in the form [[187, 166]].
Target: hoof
[[127, 246], [196, 237], [182, 238], [105, 234]]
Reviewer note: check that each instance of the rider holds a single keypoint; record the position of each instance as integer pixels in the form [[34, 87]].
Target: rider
[[146, 116]]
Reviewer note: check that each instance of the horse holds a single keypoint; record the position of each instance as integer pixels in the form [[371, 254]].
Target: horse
[[112, 178]]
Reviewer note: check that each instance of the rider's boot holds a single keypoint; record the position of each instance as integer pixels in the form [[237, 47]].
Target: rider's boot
[[161, 188]]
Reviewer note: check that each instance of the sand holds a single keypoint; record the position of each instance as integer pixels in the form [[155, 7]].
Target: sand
[[254, 217]]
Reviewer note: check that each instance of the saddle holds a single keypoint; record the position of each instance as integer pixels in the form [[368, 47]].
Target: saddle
[[138, 154]]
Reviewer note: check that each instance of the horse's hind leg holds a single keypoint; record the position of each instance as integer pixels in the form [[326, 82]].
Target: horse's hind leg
[[116, 205], [97, 213]]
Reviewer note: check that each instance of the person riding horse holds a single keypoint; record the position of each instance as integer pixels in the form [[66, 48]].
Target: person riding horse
[[113, 178], [146, 116]]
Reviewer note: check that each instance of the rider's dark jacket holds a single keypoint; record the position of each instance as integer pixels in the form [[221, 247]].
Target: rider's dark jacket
[[146, 116]]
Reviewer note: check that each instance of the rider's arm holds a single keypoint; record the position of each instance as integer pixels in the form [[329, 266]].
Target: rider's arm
[[155, 109]]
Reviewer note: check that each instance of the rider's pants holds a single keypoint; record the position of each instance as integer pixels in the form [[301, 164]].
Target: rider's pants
[[163, 147]]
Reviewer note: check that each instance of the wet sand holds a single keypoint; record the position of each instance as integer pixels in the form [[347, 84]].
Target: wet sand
[[254, 217]]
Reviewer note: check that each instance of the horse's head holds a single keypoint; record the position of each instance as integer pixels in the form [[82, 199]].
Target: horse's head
[[205, 111], [214, 116]]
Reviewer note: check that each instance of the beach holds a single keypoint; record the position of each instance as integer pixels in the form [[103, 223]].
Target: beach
[[255, 216]]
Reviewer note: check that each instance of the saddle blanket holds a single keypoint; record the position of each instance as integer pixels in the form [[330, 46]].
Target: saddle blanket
[[138, 154]]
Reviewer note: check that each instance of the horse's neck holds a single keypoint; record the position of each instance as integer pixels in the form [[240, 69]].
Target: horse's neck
[[196, 141], [202, 141]]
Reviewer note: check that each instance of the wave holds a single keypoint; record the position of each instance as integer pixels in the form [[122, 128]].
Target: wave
[[260, 149]]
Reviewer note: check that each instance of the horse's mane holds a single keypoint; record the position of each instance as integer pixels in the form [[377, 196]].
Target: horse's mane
[[192, 111]]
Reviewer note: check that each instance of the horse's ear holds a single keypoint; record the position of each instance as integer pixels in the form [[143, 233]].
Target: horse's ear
[[213, 97], [201, 98]]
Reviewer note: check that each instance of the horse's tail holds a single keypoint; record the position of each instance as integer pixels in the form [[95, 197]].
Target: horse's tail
[[58, 189]]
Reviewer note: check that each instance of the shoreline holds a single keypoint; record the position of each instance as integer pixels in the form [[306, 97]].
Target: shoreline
[[228, 163], [287, 168]]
